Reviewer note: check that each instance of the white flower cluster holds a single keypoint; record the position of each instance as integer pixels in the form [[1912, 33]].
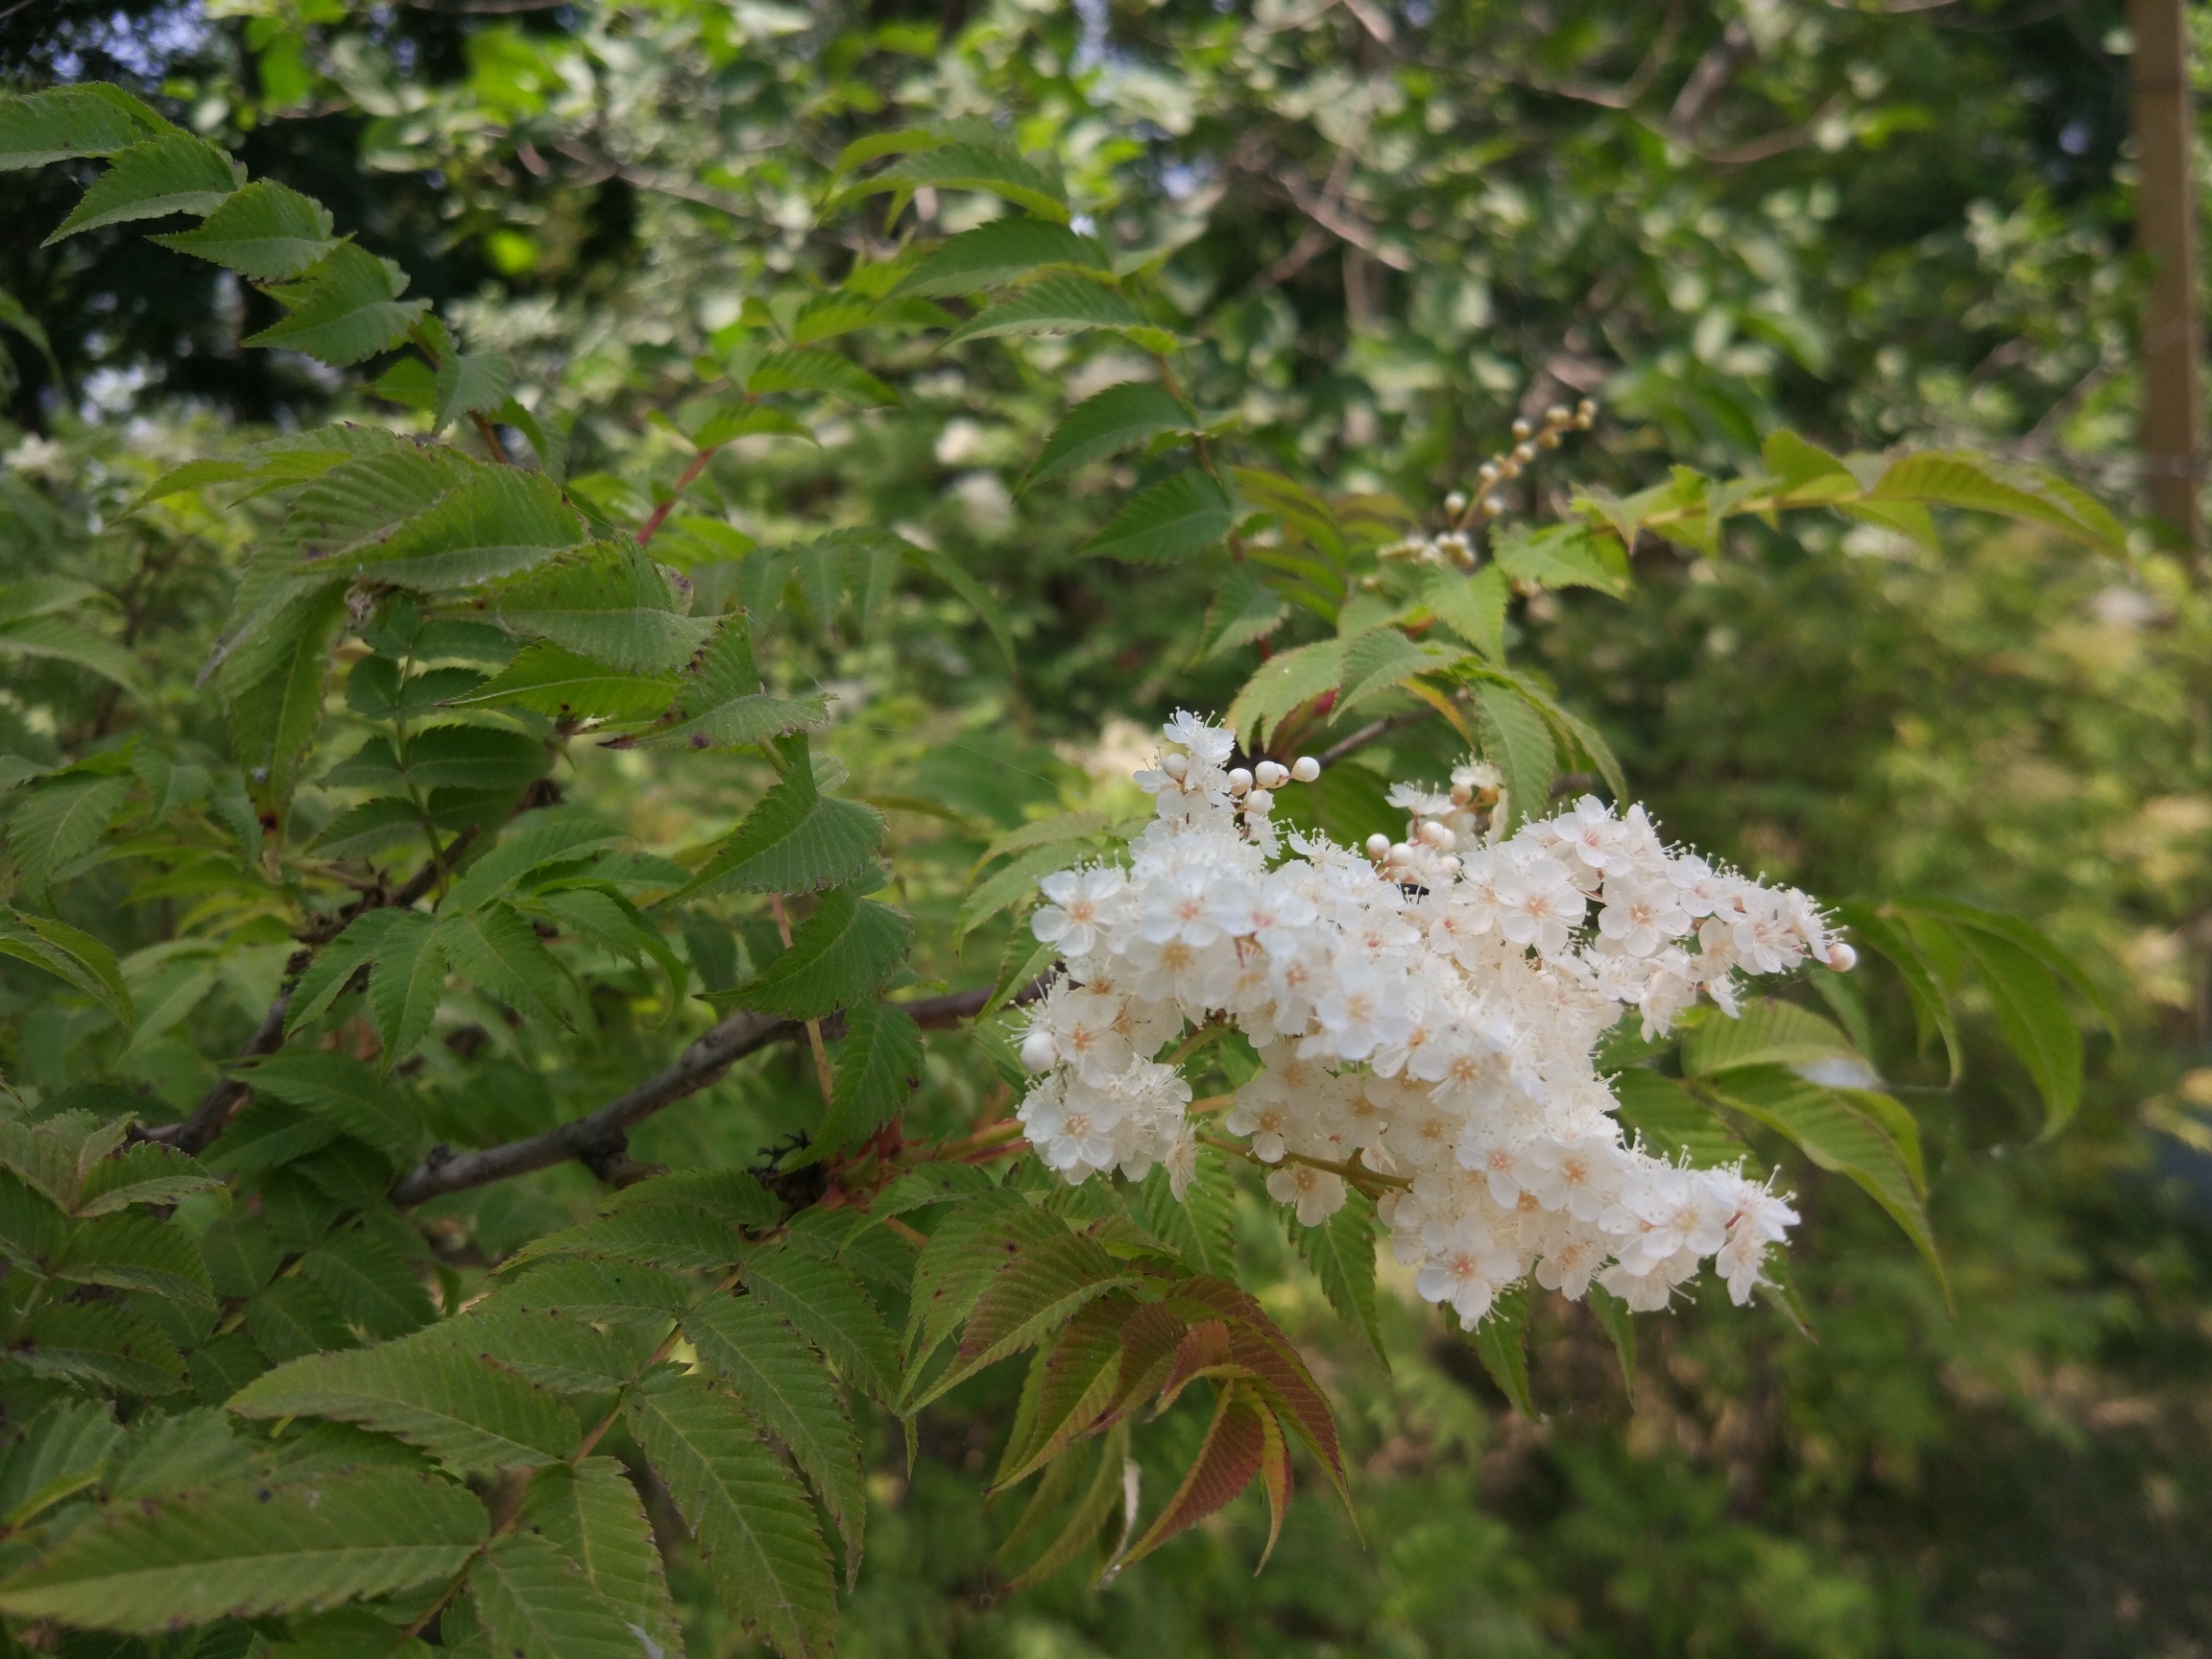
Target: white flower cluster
[[1422, 1014]]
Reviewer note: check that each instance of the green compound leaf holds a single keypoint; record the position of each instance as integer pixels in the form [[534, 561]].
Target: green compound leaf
[[369, 1283], [497, 951], [1052, 305], [1473, 606], [146, 1173], [533, 1602], [755, 1530], [344, 308], [608, 602], [999, 253], [1174, 519], [1671, 1122], [1501, 1340], [590, 1513], [491, 523], [340, 1091], [267, 231], [784, 1382], [804, 371], [406, 985], [1766, 1033], [878, 1065], [796, 840], [829, 1306], [246, 1550], [1027, 1297], [723, 705], [466, 1413], [1118, 419], [171, 174], [134, 1253], [840, 956], [1201, 1225]]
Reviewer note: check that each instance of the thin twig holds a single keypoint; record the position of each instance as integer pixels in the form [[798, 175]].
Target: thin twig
[[1372, 732], [599, 1138]]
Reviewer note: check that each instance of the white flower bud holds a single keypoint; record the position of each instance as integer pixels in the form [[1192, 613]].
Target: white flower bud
[[1377, 846], [1305, 768], [1260, 800], [1455, 503], [1400, 853], [1175, 766], [1239, 779], [1434, 834], [1522, 429], [1039, 1051], [1461, 794], [1841, 957], [1524, 453], [1452, 865], [1267, 775]]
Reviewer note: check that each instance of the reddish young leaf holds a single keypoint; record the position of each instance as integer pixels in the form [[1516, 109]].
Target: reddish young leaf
[[1236, 1443], [1077, 1381], [1275, 1477], [1203, 1351], [1041, 1288], [1149, 1342], [1255, 1343]]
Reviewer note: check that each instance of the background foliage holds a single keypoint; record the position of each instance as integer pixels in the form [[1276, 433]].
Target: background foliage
[[1394, 232]]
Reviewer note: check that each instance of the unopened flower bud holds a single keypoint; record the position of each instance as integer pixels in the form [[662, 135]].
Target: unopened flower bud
[[1524, 453], [1452, 865], [1488, 472], [1039, 1051], [1270, 775], [1547, 440], [1400, 853], [1522, 429], [1239, 779], [1493, 505], [1558, 414], [1455, 503], [1175, 766], [1377, 846], [1305, 768], [1509, 467], [1260, 800], [1841, 957], [1461, 794], [1434, 834]]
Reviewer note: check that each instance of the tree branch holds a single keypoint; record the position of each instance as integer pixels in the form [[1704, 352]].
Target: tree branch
[[600, 1140]]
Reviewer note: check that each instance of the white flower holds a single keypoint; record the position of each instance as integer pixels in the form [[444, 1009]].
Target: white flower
[[1317, 1194], [1081, 899]]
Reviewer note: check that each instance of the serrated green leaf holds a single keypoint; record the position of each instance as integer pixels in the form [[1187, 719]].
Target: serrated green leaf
[[878, 1063], [145, 1172], [273, 687], [1768, 1033], [1930, 1007], [1948, 479], [57, 829], [93, 119], [1178, 517], [1201, 1225], [1831, 1129], [784, 1385], [246, 1550], [1069, 305], [1283, 683], [755, 1530], [1473, 606], [292, 1320], [1093, 1512], [562, 686], [840, 956], [607, 1292], [100, 1344], [807, 371], [69, 955], [344, 308], [335, 964], [1116, 419], [465, 1412], [498, 951], [722, 702], [608, 602], [406, 986], [534, 1604], [64, 1450], [967, 1248], [592, 1514], [134, 1253], [1244, 609], [656, 1234], [1075, 1380], [471, 758], [967, 166], [175, 173], [469, 383], [556, 1351], [2033, 1018], [56, 640], [1569, 555], [266, 231], [1342, 1253], [495, 522], [1381, 659], [528, 844], [1515, 739], [998, 252], [1501, 1341], [948, 570], [795, 840], [829, 1306], [343, 1091], [369, 1283], [728, 420]]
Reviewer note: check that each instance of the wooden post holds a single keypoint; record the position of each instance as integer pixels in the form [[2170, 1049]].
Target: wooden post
[[2166, 229]]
